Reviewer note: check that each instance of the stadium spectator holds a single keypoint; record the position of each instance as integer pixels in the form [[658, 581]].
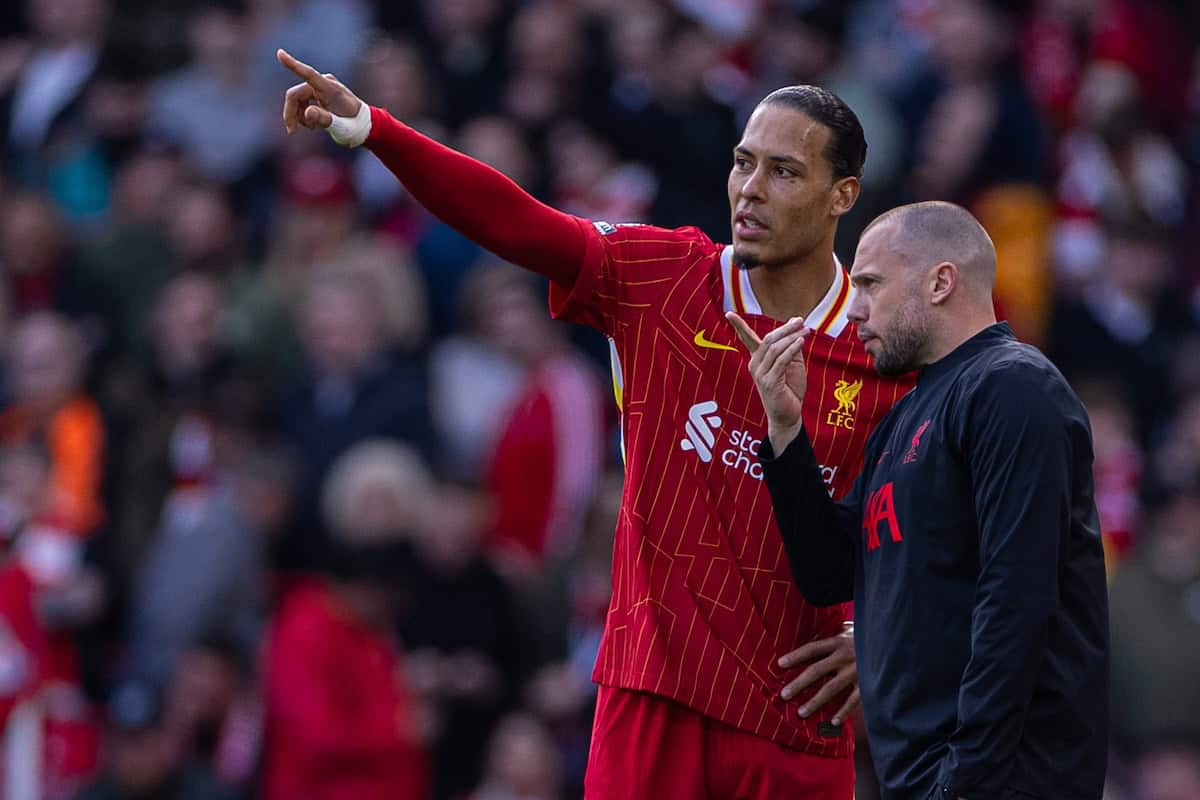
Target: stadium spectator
[[44, 274], [378, 491], [1155, 615], [41, 98], [1119, 468], [970, 117], [340, 719], [206, 571], [223, 147], [1113, 167], [1126, 324], [469, 646], [569, 614], [520, 764], [473, 381], [318, 227], [161, 399], [45, 373], [547, 456], [213, 710], [546, 58], [331, 29], [356, 386], [142, 759], [464, 44], [1177, 460]]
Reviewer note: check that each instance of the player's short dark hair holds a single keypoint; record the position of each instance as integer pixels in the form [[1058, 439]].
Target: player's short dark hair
[[847, 149]]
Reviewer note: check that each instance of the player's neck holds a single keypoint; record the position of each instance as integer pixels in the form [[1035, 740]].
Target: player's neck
[[795, 289]]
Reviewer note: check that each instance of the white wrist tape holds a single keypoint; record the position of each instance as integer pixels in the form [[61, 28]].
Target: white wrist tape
[[352, 131]]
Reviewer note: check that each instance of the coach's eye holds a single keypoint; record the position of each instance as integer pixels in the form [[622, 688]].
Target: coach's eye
[[784, 172], [741, 163]]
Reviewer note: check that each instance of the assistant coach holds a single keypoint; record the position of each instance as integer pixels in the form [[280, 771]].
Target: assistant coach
[[970, 543]]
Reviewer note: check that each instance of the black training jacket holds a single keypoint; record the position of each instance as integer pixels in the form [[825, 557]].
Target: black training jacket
[[970, 546]]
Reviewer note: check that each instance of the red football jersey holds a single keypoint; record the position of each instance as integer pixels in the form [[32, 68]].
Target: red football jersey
[[703, 600]]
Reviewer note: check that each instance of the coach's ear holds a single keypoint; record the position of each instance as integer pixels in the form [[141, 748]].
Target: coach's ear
[[944, 278], [844, 195]]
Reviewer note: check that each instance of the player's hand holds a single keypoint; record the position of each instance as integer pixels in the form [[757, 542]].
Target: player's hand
[[314, 102], [832, 659], [777, 364]]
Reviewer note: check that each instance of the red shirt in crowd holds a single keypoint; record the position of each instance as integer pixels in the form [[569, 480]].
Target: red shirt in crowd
[[339, 722]]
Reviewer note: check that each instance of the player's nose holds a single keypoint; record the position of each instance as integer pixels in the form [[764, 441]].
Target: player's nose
[[753, 186]]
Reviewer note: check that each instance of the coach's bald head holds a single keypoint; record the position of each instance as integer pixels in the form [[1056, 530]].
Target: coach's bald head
[[923, 278], [935, 231]]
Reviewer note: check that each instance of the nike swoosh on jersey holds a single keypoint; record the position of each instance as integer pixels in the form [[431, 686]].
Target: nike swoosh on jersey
[[702, 342]]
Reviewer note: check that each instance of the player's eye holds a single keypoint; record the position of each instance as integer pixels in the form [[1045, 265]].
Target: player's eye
[[784, 172], [740, 162]]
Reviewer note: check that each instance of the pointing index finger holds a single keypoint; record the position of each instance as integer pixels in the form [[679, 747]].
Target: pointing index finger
[[749, 338], [309, 74]]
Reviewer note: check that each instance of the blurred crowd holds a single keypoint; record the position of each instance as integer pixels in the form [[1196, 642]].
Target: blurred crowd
[[301, 493]]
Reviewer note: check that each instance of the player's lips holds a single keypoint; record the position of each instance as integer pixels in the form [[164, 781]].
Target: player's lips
[[748, 226]]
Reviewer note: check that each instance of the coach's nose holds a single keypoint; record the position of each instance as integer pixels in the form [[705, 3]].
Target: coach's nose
[[857, 311]]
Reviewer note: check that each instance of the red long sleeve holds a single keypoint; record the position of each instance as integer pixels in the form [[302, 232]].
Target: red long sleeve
[[480, 202]]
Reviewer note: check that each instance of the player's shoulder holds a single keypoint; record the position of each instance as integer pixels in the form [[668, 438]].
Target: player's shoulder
[[650, 236], [642, 253]]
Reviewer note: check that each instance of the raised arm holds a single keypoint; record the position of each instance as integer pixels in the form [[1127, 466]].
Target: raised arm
[[476, 200]]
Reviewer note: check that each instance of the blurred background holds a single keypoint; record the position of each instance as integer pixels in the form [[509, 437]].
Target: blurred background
[[301, 493]]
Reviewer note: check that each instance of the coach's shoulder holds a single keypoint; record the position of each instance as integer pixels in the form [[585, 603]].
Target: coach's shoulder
[[1012, 362], [1017, 380]]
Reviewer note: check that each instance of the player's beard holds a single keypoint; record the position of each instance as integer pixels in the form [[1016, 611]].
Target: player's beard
[[901, 348], [748, 262], [744, 260]]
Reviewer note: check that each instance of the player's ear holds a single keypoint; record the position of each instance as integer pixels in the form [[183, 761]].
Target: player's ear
[[944, 278], [845, 194]]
